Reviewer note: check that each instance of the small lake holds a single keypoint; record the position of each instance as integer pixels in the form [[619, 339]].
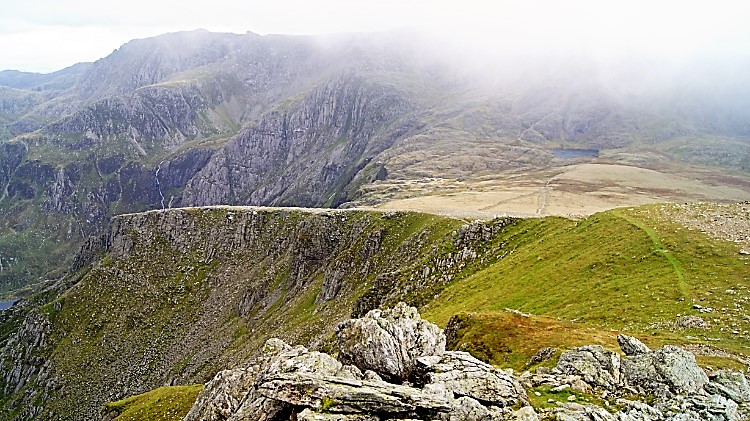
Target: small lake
[[575, 153], [6, 304]]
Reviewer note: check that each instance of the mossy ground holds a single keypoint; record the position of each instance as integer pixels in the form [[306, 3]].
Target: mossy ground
[[162, 404], [539, 398]]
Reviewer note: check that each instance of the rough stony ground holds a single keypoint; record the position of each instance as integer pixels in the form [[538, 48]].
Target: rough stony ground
[[729, 222]]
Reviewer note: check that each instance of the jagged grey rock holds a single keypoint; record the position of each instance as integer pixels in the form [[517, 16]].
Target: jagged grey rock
[[468, 409], [300, 360], [309, 415], [465, 375], [527, 413], [576, 412], [351, 372], [668, 367], [637, 411], [371, 376], [295, 383], [730, 384], [339, 395], [222, 396], [701, 407], [594, 364], [632, 346], [231, 395], [388, 341]]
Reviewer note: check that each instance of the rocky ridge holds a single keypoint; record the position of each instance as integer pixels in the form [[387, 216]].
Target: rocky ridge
[[200, 118], [427, 382], [170, 297]]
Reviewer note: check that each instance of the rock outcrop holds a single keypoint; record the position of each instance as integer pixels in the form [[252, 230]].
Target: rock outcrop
[[175, 296], [312, 385], [464, 375], [668, 377], [294, 383], [666, 370], [389, 342]]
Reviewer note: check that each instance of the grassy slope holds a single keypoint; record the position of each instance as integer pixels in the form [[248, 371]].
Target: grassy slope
[[162, 314], [627, 269], [162, 404]]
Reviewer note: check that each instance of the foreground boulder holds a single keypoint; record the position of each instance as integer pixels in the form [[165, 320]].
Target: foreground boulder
[[731, 385], [632, 346], [389, 341], [348, 396], [667, 370], [597, 366], [294, 383], [464, 375]]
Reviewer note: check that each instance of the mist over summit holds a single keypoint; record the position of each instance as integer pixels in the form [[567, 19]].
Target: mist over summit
[[200, 118], [168, 208]]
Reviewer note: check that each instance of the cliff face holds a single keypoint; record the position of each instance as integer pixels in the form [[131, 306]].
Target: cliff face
[[226, 120], [200, 118], [169, 297], [307, 155]]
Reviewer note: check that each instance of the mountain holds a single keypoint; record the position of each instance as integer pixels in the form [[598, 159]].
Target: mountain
[[200, 118], [59, 80], [173, 297]]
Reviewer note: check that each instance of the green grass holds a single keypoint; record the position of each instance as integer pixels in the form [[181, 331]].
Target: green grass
[[541, 401], [162, 404], [628, 269], [659, 247], [584, 281], [507, 340]]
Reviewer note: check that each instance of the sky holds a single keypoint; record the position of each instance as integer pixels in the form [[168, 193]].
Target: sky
[[48, 35]]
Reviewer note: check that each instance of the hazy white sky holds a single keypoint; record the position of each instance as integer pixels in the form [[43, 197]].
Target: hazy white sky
[[47, 35]]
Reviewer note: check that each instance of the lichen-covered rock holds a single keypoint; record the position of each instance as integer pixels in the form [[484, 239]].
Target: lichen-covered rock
[[594, 364], [730, 384], [339, 395], [294, 383], [701, 407], [468, 409], [389, 341], [465, 375], [669, 369], [309, 415], [637, 411], [578, 412], [222, 396], [632, 346], [230, 394], [300, 360], [350, 372], [527, 413]]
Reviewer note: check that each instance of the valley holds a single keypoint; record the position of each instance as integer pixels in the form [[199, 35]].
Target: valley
[[168, 210], [577, 189]]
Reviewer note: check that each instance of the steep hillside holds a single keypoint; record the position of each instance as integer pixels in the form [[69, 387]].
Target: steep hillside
[[171, 297], [180, 294], [200, 118]]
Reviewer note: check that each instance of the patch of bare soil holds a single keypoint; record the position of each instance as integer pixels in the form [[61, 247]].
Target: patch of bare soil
[[573, 190]]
